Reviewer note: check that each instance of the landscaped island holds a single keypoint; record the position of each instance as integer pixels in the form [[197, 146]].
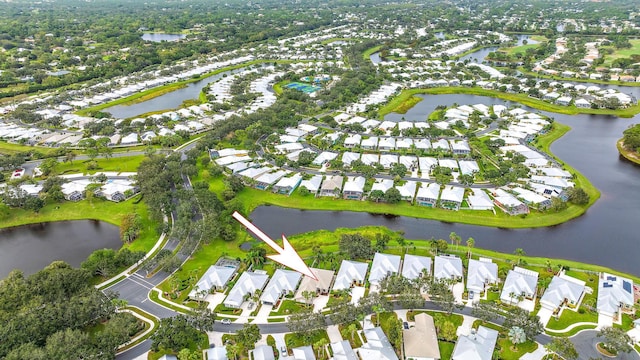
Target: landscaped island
[[629, 145]]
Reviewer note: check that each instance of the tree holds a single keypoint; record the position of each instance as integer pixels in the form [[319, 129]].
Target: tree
[[521, 318], [578, 196], [174, 334], [186, 354], [519, 252], [48, 166], [248, 336], [355, 246], [392, 196], [306, 323], [616, 340], [557, 205], [130, 227], [376, 195], [308, 296], [448, 331], [441, 295], [455, 239], [319, 346], [465, 179], [517, 337], [256, 256], [398, 169], [563, 347], [470, 244], [202, 318]]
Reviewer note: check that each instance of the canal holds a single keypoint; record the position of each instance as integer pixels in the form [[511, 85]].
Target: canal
[[32, 247]]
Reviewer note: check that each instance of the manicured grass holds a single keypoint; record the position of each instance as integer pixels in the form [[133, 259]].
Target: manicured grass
[[114, 164], [572, 332], [368, 52], [400, 105], [278, 87], [506, 352], [197, 344], [294, 340], [446, 349], [454, 318], [623, 53], [97, 209], [632, 156], [10, 148], [570, 317], [288, 307], [221, 309], [627, 323], [522, 49]]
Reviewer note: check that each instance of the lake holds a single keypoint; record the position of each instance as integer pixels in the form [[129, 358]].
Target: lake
[[159, 37], [604, 235], [32, 247]]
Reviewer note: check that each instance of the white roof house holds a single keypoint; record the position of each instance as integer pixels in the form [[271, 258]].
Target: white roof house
[[217, 353], [387, 143], [478, 345], [342, 350], [216, 277], [447, 267], [481, 273], [370, 159], [479, 200], [370, 143], [352, 140], [408, 161], [562, 288], [348, 157], [247, 284], [354, 187], [324, 156], [263, 352], [350, 272], [451, 197], [312, 184], [303, 353], [414, 266], [265, 180], [428, 194], [282, 282], [377, 346], [468, 167], [407, 190], [382, 266], [382, 185], [614, 292], [288, 147], [519, 282], [287, 185], [386, 160]]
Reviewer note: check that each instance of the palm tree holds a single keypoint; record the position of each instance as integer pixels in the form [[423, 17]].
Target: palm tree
[[352, 329], [519, 252], [455, 239], [319, 345], [470, 243]]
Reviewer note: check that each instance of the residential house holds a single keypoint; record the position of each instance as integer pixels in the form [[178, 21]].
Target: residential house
[[303, 353], [447, 267], [342, 351], [377, 346], [441, 145], [480, 274], [215, 278], [350, 273], [520, 284], [265, 180], [370, 143], [451, 197], [407, 190], [383, 265], [460, 147], [427, 164], [468, 167], [217, 353], [410, 162], [387, 160], [421, 341], [352, 140], [479, 200], [428, 195], [415, 266], [370, 159], [532, 199], [349, 157], [382, 185], [322, 286], [354, 188], [615, 294], [324, 157], [282, 283], [263, 352], [422, 144], [286, 148], [386, 144], [247, 285], [508, 203], [251, 173], [449, 164], [332, 186], [74, 190], [313, 184], [563, 291], [287, 185], [404, 143], [478, 345]]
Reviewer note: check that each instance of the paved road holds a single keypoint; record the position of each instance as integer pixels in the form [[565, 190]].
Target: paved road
[[585, 343]]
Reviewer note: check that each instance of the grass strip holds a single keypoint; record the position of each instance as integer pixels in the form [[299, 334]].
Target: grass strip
[[632, 156]]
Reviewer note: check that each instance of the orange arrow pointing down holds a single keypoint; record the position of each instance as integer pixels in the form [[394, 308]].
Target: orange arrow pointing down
[[286, 256]]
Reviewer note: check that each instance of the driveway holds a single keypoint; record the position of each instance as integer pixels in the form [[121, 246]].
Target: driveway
[[357, 292], [604, 321], [263, 314], [545, 315], [457, 290], [214, 300]]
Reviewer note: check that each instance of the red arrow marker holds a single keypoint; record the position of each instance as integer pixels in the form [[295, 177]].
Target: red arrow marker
[[286, 256]]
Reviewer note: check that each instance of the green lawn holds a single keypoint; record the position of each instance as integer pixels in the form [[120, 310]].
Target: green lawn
[[114, 164], [570, 317], [368, 52], [10, 148], [573, 331], [504, 346], [623, 53], [446, 349], [400, 104], [454, 318], [294, 340], [288, 307]]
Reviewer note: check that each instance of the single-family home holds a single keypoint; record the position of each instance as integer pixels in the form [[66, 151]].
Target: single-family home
[[479, 200], [441, 145], [217, 353], [246, 286], [370, 159], [520, 284], [321, 286], [460, 147], [342, 350], [563, 290], [369, 143], [350, 273], [422, 144], [349, 157], [386, 144], [451, 197], [312, 184], [509, 203], [324, 157], [421, 341], [388, 160], [263, 352], [383, 265], [352, 140], [427, 164], [382, 185], [332, 186], [74, 190], [447, 267], [415, 266], [282, 282], [480, 274], [404, 143], [354, 188], [215, 278], [478, 345], [265, 180], [449, 164], [428, 195], [408, 161], [615, 294], [287, 185], [582, 103], [468, 167], [407, 190], [303, 353], [377, 346]]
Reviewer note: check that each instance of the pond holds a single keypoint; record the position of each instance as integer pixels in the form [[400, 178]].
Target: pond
[[170, 100], [159, 37], [32, 247], [606, 234]]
